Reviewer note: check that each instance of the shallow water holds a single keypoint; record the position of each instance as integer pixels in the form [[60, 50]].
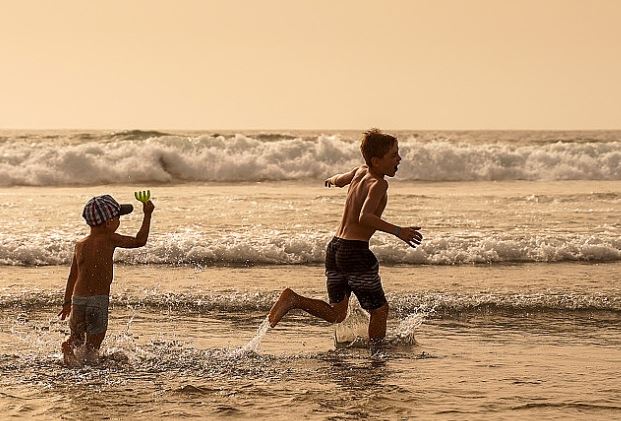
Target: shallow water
[[175, 353]]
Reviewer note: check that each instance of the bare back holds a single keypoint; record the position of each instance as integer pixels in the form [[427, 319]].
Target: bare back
[[350, 227], [93, 256]]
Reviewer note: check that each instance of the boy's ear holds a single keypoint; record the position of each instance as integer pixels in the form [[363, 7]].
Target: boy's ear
[[374, 160]]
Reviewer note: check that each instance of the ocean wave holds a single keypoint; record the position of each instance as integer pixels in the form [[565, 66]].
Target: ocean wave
[[295, 248], [155, 157], [434, 304]]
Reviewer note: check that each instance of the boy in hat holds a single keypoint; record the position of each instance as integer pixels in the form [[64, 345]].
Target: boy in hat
[[88, 287]]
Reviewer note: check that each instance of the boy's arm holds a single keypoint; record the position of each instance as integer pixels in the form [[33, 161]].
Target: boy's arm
[[129, 242], [368, 217], [73, 277], [341, 180]]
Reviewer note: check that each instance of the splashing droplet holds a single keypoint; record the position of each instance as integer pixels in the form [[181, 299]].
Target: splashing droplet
[[255, 343]]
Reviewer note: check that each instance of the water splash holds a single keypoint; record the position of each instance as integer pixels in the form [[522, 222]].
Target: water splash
[[255, 343], [353, 332], [38, 338], [403, 335]]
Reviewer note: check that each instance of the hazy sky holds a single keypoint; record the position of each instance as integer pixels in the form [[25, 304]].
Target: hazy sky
[[310, 64]]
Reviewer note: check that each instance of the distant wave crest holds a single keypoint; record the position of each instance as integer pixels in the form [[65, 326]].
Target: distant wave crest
[[137, 134], [155, 157]]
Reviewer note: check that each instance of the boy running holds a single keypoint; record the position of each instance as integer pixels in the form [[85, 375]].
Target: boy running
[[350, 265]]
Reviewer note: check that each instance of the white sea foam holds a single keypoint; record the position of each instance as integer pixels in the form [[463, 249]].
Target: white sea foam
[[282, 248], [172, 159]]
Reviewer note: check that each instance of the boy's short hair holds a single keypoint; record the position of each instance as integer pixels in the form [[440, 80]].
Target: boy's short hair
[[375, 144]]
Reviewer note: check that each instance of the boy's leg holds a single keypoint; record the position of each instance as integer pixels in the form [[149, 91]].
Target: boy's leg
[[377, 324], [289, 300], [69, 357], [93, 341], [368, 288], [377, 329], [77, 328], [338, 291], [97, 319], [67, 347]]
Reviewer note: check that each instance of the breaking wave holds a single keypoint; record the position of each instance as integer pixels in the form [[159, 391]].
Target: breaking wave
[[295, 248], [272, 247], [155, 157]]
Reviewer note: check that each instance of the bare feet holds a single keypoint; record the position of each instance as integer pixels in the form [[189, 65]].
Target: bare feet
[[285, 302], [91, 356], [376, 346], [68, 356]]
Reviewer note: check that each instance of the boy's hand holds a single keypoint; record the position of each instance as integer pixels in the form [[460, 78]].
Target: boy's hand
[[148, 207], [65, 311], [328, 182], [410, 234]]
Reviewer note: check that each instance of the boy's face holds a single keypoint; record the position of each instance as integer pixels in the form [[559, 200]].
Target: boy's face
[[389, 163]]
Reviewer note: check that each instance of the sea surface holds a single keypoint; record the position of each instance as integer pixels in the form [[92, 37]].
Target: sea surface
[[510, 308]]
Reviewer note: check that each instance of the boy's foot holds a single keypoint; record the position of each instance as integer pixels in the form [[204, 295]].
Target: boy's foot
[[69, 357], [376, 347], [91, 356], [285, 302]]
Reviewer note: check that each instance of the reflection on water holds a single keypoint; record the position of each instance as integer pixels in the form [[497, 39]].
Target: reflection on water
[[351, 375], [157, 365]]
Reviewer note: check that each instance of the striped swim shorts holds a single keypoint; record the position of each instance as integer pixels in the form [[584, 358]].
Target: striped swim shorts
[[352, 267], [89, 315]]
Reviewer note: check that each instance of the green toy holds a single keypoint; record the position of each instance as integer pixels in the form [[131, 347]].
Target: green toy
[[143, 196]]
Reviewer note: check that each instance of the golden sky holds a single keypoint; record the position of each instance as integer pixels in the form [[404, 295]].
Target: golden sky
[[310, 64]]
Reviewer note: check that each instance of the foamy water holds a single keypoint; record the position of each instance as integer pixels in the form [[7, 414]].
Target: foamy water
[[151, 157], [290, 248], [290, 223]]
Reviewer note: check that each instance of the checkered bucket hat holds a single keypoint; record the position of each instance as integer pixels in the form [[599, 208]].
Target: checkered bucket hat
[[103, 208]]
